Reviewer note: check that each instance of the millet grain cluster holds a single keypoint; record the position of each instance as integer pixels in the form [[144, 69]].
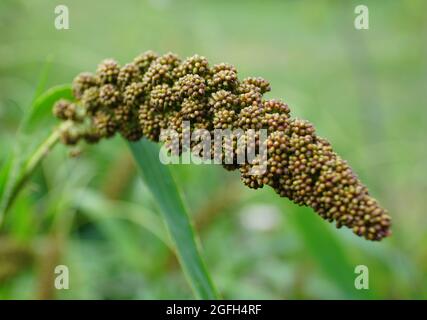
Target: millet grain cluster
[[156, 92]]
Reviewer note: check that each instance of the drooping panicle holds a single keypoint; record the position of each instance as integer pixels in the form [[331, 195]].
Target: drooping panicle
[[156, 92]]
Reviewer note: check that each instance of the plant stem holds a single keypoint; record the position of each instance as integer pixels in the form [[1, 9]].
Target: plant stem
[[34, 161]]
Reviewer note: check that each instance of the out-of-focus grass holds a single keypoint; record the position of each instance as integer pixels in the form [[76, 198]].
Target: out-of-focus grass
[[364, 91]]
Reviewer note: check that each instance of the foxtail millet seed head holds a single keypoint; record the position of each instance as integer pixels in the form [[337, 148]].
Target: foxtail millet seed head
[[134, 94], [163, 97], [60, 109], [144, 60], [108, 71], [104, 124], [109, 95], [66, 110], [193, 65], [190, 86], [90, 100], [158, 92], [258, 82], [82, 82], [128, 74]]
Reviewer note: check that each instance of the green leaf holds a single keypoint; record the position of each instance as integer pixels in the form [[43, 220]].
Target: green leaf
[[41, 110], [8, 178], [5, 171], [159, 180], [39, 113], [99, 207], [44, 75]]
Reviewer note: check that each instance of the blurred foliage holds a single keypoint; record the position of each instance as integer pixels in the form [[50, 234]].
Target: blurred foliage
[[364, 90]]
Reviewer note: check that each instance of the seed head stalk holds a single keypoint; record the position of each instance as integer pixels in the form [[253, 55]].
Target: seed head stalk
[[32, 163]]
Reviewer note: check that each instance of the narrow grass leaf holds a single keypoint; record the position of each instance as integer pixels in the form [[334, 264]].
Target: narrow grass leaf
[[41, 110], [159, 180], [99, 207]]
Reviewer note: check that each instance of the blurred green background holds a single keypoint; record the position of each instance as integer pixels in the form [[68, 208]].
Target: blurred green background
[[364, 90]]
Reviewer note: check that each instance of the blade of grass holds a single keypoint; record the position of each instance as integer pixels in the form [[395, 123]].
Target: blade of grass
[[5, 170], [99, 207], [112, 219], [159, 180], [22, 166], [41, 108], [44, 75], [28, 169]]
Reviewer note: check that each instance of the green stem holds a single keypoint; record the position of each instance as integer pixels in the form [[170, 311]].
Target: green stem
[[33, 162]]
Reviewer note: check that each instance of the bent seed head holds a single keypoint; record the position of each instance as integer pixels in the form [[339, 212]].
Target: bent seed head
[[157, 92]]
